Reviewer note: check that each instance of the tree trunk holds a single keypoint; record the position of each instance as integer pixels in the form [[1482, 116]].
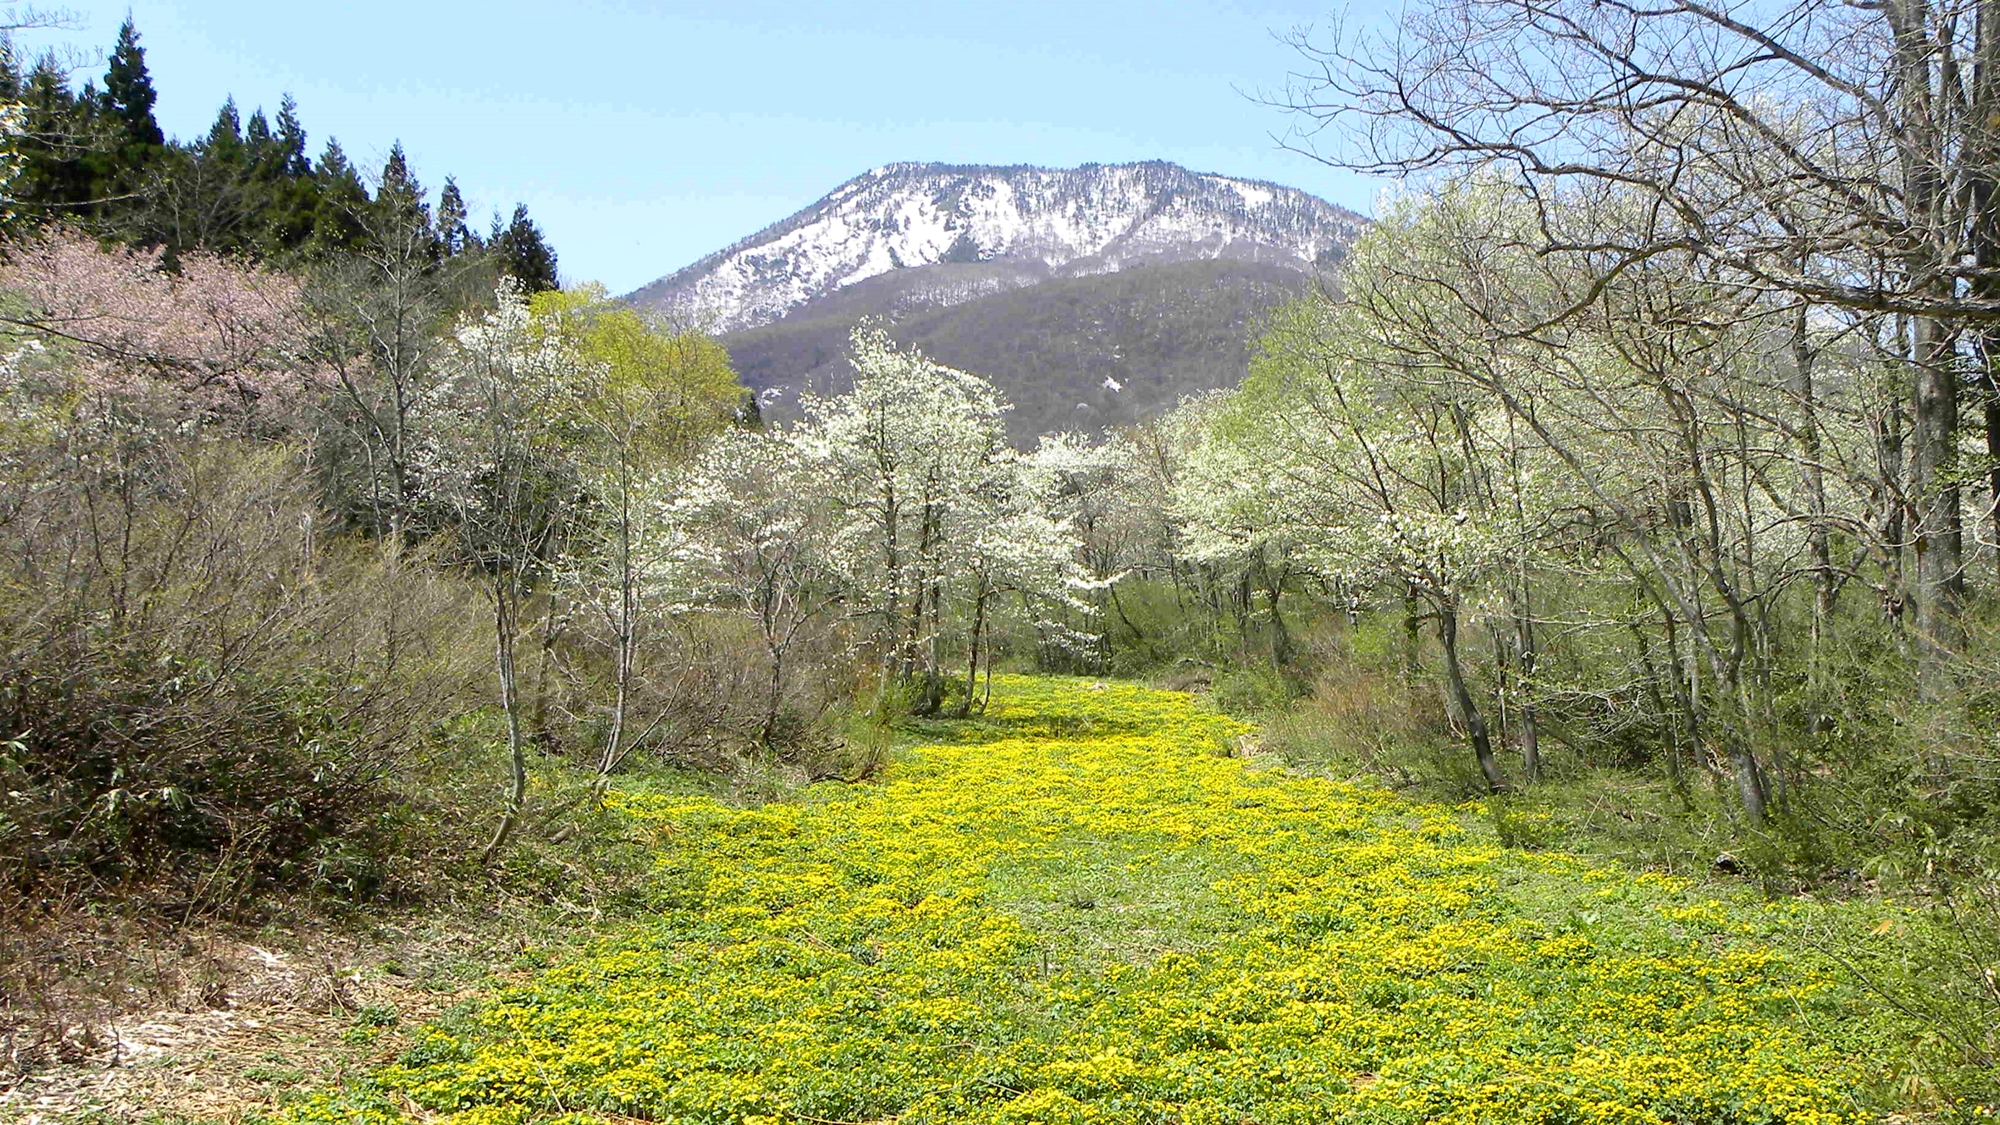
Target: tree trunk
[[1412, 622], [1814, 480], [1672, 721], [1462, 701], [1281, 638], [1983, 162], [1934, 485], [505, 596], [1896, 507], [1938, 534], [1993, 440], [972, 657], [627, 629], [545, 660], [774, 696], [1526, 654], [892, 569]]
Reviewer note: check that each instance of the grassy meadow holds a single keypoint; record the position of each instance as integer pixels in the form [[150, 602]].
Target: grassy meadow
[[1090, 907]]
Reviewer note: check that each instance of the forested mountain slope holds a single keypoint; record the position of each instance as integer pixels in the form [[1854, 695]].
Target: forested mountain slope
[[1085, 353]]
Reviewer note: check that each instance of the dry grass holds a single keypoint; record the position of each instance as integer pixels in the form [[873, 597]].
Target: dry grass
[[222, 1026]]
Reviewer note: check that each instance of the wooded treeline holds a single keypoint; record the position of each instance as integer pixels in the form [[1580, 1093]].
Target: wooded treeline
[[95, 158], [330, 526]]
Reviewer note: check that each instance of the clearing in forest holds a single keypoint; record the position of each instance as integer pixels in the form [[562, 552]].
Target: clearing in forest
[[1084, 909]]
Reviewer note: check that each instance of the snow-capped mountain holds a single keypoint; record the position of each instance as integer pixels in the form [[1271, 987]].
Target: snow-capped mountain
[[1024, 225]]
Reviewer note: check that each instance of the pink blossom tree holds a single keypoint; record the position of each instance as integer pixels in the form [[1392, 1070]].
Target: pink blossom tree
[[216, 336]]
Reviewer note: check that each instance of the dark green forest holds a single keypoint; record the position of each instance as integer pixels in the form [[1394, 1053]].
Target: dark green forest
[[96, 158]]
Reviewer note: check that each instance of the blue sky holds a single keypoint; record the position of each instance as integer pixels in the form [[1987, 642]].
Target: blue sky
[[643, 136]]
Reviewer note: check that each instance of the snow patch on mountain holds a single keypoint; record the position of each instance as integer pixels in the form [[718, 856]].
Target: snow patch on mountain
[[1065, 222]]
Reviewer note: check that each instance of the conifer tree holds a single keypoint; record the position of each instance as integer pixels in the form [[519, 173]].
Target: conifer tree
[[401, 223], [12, 84], [339, 201], [292, 140], [400, 190], [128, 91], [524, 254], [57, 128], [224, 143], [453, 234], [284, 173], [95, 155]]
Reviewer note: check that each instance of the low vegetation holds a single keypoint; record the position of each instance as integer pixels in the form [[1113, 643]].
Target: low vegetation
[[1083, 907]]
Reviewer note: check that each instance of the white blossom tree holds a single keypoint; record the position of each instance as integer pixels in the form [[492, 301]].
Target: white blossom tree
[[502, 486], [896, 504], [916, 460], [746, 531]]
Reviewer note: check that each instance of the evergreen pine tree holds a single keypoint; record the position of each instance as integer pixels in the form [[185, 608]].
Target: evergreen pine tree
[[524, 254], [58, 131], [12, 85], [293, 203], [224, 142], [340, 201], [402, 221], [265, 187], [128, 89], [257, 135], [292, 140], [454, 236], [400, 188]]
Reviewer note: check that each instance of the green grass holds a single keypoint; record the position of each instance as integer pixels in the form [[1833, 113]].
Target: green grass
[[1080, 909]]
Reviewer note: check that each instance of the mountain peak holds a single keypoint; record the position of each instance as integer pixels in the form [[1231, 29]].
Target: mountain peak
[[1031, 224]]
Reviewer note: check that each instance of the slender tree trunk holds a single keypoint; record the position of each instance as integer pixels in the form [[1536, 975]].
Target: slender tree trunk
[[1117, 606], [892, 570], [1749, 776], [986, 696], [933, 664], [1281, 637], [1676, 779], [1526, 655], [1814, 480], [1938, 540], [545, 661], [1896, 506], [1462, 701], [1934, 484], [1993, 441], [774, 695], [627, 629], [972, 657], [505, 596], [1412, 622], [1982, 159]]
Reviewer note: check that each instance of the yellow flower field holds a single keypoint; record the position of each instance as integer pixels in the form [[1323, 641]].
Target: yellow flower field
[[1084, 910]]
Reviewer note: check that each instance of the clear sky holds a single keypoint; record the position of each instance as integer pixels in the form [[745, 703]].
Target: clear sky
[[644, 135]]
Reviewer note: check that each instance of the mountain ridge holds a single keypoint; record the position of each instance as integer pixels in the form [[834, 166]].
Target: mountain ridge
[[1095, 218], [1093, 297]]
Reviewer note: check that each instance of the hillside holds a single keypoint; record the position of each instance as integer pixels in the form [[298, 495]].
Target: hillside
[[1092, 296], [1075, 353]]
